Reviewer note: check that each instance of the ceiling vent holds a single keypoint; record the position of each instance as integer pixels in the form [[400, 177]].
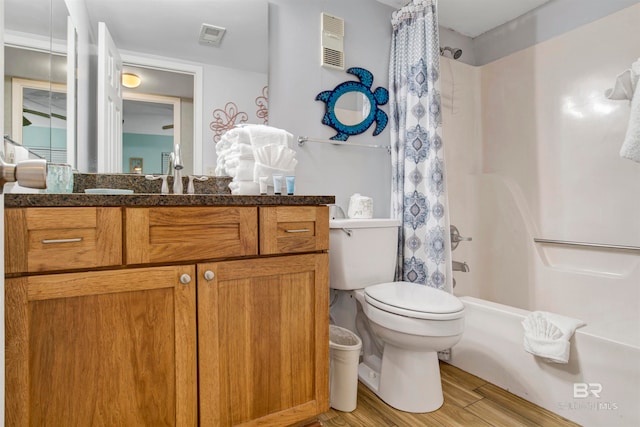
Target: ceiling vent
[[332, 42], [211, 35]]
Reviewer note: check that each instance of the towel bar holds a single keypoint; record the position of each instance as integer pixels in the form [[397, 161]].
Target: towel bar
[[303, 139], [587, 244]]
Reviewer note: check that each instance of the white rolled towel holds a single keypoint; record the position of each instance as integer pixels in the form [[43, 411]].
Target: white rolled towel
[[261, 135], [273, 159], [243, 171], [237, 135], [547, 335], [240, 150], [248, 188]]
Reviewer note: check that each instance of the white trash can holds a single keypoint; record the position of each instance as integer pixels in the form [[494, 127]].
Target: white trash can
[[344, 350]]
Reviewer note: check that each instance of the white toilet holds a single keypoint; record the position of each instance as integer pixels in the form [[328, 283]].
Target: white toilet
[[402, 325]]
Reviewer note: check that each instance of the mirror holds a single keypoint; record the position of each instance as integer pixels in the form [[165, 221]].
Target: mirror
[[38, 112], [39, 118], [236, 71], [152, 124], [352, 106]]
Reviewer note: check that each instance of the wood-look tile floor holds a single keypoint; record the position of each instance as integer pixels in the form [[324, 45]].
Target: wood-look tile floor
[[468, 401]]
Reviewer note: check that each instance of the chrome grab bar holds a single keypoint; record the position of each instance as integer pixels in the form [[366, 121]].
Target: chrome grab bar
[[587, 244]]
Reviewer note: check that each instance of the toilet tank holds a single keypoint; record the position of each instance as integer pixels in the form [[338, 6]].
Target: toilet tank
[[362, 252]]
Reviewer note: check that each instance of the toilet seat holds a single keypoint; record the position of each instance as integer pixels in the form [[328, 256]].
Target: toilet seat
[[414, 300]]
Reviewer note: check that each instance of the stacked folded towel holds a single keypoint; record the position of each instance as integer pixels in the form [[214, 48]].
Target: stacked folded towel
[[627, 87], [273, 159], [547, 335], [252, 151]]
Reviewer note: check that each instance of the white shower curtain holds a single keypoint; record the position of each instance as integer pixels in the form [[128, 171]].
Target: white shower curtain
[[418, 191]]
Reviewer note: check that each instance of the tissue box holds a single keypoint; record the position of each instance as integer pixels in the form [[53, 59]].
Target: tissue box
[[360, 207]]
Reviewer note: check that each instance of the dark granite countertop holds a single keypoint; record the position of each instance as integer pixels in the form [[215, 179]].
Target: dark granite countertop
[[140, 200], [213, 192]]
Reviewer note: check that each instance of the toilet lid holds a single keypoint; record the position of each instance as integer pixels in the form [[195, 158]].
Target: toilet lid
[[414, 300]]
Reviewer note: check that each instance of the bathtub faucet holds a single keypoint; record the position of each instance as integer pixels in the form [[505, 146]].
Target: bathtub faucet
[[460, 266]]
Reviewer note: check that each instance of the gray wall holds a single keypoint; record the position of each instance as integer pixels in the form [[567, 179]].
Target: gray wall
[[296, 77], [543, 23]]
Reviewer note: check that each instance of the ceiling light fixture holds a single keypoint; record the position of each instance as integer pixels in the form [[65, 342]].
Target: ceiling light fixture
[[130, 80]]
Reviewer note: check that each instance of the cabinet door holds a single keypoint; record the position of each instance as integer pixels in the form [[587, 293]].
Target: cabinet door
[[263, 340], [102, 348]]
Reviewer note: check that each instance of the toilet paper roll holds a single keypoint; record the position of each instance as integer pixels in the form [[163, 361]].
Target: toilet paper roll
[[360, 206]]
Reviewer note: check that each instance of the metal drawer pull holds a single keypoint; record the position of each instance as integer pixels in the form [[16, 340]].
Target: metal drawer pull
[[301, 230], [76, 239]]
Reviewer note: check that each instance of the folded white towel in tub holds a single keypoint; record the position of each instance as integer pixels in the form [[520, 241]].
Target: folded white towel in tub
[[547, 335]]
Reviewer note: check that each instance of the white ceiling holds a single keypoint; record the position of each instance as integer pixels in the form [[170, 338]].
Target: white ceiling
[[160, 26], [168, 28], [474, 17]]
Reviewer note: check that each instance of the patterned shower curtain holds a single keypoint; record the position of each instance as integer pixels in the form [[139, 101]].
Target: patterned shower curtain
[[418, 192]]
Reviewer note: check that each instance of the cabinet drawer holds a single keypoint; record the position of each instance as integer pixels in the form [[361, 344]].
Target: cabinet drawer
[[52, 239], [287, 229], [168, 234]]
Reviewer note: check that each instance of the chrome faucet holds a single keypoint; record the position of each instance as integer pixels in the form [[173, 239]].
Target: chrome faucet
[[460, 266], [175, 167]]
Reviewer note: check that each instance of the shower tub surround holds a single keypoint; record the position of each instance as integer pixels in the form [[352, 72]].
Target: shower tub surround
[[532, 146]]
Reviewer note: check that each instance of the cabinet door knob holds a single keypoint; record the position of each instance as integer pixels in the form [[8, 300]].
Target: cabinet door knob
[[209, 275], [185, 279]]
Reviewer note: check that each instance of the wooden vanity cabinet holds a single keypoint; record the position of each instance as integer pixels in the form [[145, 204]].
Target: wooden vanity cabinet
[[263, 340], [54, 239], [185, 316], [172, 234], [286, 229], [111, 347]]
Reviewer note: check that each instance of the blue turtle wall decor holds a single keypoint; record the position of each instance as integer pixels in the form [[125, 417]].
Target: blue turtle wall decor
[[379, 96]]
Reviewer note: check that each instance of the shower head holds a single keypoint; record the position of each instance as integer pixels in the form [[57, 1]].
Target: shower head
[[455, 52]]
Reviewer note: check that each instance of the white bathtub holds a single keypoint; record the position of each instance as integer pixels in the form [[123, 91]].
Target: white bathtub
[[491, 348]]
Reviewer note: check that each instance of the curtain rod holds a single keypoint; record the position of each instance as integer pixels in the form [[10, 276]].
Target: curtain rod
[[587, 244], [303, 139]]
